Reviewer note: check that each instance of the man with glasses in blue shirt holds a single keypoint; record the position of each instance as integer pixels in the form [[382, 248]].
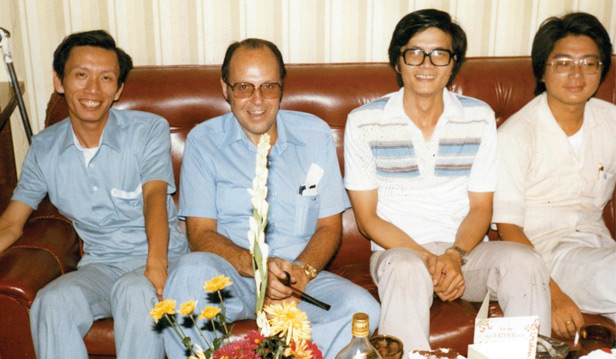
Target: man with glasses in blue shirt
[[557, 169], [304, 225], [420, 170]]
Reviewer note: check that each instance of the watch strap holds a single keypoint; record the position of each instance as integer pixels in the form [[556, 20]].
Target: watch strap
[[461, 252]]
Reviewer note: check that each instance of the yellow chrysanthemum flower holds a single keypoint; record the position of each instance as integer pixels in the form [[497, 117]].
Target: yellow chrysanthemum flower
[[217, 283], [199, 353], [301, 351], [166, 306], [209, 312], [188, 308], [290, 321]]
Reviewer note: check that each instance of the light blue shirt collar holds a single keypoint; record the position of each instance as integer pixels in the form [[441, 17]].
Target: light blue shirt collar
[[111, 134], [234, 133]]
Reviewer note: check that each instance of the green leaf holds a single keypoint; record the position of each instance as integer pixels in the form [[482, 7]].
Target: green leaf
[[217, 343]]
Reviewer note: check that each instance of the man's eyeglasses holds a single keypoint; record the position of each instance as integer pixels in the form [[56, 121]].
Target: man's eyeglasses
[[588, 65], [416, 57], [243, 90]]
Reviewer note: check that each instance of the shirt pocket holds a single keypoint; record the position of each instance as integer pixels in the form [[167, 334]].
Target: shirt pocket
[[306, 214], [604, 188], [128, 203]]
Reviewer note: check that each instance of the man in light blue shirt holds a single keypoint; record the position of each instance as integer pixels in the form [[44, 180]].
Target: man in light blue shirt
[[304, 226], [110, 173]]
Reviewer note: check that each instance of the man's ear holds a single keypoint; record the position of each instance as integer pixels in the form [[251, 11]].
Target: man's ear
[[225, 90], [57, 83], [118, 93]]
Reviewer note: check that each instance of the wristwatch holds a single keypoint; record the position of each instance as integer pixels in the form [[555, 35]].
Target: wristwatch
[[461, 252], [311, 272]]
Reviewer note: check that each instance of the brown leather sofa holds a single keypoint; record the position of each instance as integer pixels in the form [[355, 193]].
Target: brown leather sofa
[[187, 95]]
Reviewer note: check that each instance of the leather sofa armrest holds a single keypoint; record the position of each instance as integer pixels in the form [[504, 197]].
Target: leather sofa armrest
[[48, 248]]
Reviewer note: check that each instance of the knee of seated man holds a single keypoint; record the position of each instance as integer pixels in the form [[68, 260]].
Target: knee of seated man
[[59, 297], [524, 258], [198, 262], [133, 288], [403, 261]]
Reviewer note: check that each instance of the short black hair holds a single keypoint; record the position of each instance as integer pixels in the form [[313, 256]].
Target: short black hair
[[96, 38], [253, 44], [555, 28], [418, 21]]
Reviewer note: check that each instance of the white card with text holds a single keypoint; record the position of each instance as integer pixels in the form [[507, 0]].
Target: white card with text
[[520, 332]]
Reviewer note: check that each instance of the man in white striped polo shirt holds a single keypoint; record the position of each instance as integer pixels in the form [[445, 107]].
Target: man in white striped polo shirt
[[420, 170]]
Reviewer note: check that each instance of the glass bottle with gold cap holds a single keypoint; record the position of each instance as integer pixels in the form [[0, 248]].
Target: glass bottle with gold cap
[[359, 347]]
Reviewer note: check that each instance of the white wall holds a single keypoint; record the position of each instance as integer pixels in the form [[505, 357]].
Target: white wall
[[169, 32]]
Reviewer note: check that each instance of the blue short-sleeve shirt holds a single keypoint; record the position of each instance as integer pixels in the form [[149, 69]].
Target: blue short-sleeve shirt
[[104, 199], [219, 165]]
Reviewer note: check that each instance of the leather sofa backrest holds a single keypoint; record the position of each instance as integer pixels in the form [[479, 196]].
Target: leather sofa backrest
[[188, 95]]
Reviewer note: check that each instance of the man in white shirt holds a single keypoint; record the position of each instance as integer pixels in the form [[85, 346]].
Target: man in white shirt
[[557, 160], [420, 170]]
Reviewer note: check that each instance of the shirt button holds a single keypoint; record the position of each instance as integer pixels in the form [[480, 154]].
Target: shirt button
[[273, 225], [91, 165], [95, 188], [274, 193], [272, 251]]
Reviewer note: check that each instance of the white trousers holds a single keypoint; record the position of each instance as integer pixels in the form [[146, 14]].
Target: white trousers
[[515, 274], [584, 267]]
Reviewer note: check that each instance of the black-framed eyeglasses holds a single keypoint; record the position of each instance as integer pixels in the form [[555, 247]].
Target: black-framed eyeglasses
[[243, 90], [416, 57], [565, 65]]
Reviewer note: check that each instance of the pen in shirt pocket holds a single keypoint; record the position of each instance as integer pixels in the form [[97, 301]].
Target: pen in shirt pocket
[[599, 170], [303, 187]]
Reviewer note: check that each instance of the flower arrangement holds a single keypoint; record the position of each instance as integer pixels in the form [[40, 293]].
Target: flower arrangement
[[284, 334]]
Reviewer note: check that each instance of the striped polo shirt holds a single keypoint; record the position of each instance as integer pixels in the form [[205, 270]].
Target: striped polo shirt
[[422, 184]]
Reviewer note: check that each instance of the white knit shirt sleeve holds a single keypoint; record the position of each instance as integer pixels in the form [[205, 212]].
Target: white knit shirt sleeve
[[359, 164]]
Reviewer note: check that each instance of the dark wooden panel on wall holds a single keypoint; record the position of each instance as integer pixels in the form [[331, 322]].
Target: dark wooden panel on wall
[[8, 172]]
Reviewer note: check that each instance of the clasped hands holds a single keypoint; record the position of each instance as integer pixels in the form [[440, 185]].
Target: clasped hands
[[447, 277]]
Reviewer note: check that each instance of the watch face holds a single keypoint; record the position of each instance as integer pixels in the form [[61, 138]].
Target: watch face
[[311, 272]]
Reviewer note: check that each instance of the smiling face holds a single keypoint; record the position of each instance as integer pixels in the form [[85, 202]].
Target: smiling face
[[426, 80], [572, 88], [90, 84], [256, 114]]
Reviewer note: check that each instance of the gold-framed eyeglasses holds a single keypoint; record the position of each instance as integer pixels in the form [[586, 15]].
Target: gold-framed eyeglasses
[[243, 90], [588, 65], [416, 57]]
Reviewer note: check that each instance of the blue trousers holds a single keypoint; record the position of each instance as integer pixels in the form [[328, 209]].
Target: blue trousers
[[63, 311], [331, 330]]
